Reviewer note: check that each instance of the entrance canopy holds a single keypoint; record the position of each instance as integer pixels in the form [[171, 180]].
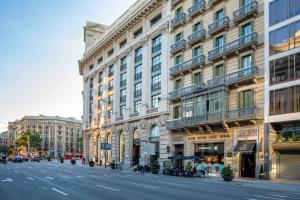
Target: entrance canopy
[[185, 158], [246, 146]]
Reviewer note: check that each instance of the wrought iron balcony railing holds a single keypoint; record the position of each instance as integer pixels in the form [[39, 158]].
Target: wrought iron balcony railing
[[213, 2], [235, 77], [197, 8], [240, 114], [196, 36], [186, 90], [152, 110], [134, 114], [178, 46], [185, 66], [178, 20], [218, 25], [233, 47], [245, 11], [175, 3]]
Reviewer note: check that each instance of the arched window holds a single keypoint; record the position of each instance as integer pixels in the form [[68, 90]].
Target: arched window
[[154, 132]]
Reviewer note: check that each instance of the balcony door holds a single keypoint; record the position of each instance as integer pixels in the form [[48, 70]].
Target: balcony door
[[246, 30], [219, 14], [245, 67], [246, 102]]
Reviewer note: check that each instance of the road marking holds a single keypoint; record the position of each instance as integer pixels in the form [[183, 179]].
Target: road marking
[[65, 176], [276, 195], [264, 197], [81, 177], [56, 190], [48, 177], [16, 172], [142, 185], [30, 178], [7, 180], [107, 176], [174, 184], [108, 188], [250, 199]]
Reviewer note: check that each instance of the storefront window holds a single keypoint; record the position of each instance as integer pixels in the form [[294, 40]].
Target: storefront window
[[213, 155]]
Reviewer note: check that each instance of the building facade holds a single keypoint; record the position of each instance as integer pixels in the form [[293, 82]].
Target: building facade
[[217, 83], [125, 75], [282, 87], [4, 139], [59, 135]]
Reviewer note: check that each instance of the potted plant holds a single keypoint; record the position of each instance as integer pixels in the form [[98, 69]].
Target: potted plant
[[227, 173], [189, 169], [167, 167], [73, 161], [155, 167], [91, 163], [62, 160], [146, 168]]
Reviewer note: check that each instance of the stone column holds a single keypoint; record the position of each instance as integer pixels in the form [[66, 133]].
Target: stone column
[[129, 85], [146, 78], [128, 149]]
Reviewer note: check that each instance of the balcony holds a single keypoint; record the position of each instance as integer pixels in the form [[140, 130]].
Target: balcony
[[175, 3], [138, 58], [185, 91], [138, 76], [137, 93], [188, 65], [243, 43], [155, 86], [136, 114], [178, 20], [178, 46], [156, 49], [245, 12], [241, 76], [119, 118], [197, 8], [156, 68], [218, 25], [197, 36], [152, 110], [123, 83], [213, 2], [241, 114]]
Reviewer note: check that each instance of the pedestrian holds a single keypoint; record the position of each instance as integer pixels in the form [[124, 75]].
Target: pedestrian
[[83, 160], [100, 162], [96, 159], [58, 159], [142, 170]]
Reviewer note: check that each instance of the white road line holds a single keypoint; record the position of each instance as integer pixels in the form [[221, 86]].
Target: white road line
[[264, 197], [142, 185], [30, 178], [65, 176], [48, 177], [276, 195], [174, 184], [101, 186], [250, 199], [107, 176], [56, 190], [16, 172], [81, 177], [7, 180]]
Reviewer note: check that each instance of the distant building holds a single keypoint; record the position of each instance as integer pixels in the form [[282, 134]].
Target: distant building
[[3, 138], [59, 135]]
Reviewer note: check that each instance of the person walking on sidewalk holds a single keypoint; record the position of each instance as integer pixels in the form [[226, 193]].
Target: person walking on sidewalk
[[142, 170]]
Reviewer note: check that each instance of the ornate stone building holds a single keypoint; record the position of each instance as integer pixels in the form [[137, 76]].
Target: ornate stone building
[[125, 75], [59, 135]]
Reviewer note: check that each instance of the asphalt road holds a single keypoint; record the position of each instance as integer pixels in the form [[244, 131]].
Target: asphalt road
[[53, 181]]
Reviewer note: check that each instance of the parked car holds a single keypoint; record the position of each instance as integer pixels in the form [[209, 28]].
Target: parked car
[[17, 159], [25, 158], [35, 159]]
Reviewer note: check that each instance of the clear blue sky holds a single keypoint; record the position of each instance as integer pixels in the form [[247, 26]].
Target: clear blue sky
[[40, 44]]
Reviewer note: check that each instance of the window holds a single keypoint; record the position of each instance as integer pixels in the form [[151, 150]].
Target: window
[[111, 70], [156, 63], [155, 101], [219, 14], [91, 83], [246, 61], [197, 51], [197, 78], [285, 38], [100, 90], [156, 79], [154, 132], [123, 43], [110, 52], [123, 93], [197, 27], [138, 33], [123, 77], [215, 101], [245, 2], [138, 55], [156, 19], [178, 37], [123, 63], [219, 71], [110, 85], [100, 77], [187, 108], [178, 12], [200, 105], [178, 59], [177, 84], [156, 44], [177, 112], [91, 67], [137, 106], [109, 114], [100, 60], [138, 89], [110, 99], [246, 29], [138, 72], [246, 99], [281, 10], [122, 110], [219, 41]]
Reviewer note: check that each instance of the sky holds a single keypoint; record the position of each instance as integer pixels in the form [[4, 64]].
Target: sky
[[41, 42]]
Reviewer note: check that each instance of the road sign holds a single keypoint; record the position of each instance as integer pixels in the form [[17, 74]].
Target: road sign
[[105, 146]]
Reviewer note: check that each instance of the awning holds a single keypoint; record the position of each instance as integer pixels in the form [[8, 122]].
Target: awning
[[184, 158], [245, 146]]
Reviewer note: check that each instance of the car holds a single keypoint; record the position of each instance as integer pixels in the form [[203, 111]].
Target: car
[[17, 159], [35, 159], [25, 158]]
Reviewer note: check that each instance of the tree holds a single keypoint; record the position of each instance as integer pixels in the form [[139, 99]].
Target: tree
[[79, 145], [4, 149], [34, 140]]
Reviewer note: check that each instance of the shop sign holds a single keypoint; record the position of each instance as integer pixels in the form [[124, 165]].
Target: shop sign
[[148, 148], [247, 132], [209, 137]]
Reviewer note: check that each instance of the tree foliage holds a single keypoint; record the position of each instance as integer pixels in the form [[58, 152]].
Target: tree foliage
[[34, 140]]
